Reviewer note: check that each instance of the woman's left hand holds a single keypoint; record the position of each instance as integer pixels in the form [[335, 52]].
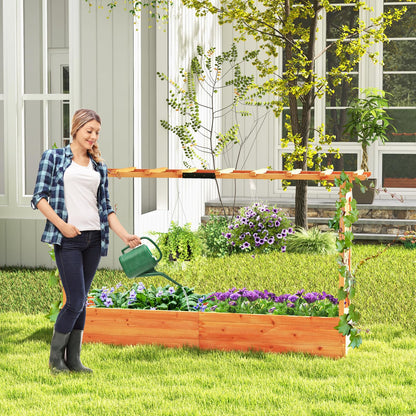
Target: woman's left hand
[[132, 240]]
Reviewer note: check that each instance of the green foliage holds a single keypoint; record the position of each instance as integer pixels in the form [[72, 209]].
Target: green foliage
[[289, 28], [312, 240], [211, 234], [265, 302], [138, 296], [346, 214], [206, 77], [179, 243], [409, 239], [368, 120]]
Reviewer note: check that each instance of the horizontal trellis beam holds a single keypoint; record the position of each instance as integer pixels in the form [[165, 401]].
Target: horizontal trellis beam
[[233, 174]]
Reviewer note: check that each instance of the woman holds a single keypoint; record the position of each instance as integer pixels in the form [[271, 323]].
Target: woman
[[71, 191]]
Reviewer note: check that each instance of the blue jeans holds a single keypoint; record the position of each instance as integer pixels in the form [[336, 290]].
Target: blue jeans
[[77, 260]]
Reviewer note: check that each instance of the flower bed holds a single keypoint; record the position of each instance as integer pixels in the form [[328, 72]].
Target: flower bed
[[233, 320]]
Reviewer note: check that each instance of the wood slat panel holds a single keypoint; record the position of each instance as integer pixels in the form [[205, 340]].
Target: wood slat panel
[[129, 327], [271, 334], [223, 331]]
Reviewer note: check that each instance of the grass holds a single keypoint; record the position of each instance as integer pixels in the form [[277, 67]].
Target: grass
[[379, 378], [385, 284]]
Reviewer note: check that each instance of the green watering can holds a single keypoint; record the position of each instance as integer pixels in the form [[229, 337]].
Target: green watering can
[[139, 261]]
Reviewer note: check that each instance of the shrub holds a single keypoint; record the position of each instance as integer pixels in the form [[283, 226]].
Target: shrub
[[409, 239], [179, 243], [259, 228], [311, 241], [213, 237]]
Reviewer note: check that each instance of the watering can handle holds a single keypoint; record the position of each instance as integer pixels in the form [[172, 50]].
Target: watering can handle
[[147, 238]]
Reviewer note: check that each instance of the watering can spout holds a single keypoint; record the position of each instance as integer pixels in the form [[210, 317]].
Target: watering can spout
[[140, 262]]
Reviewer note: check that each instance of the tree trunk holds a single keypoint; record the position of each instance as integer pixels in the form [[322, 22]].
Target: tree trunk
[[301, 204]]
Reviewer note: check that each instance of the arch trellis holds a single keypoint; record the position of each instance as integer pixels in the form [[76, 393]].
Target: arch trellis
[[294, 175], [227, 331]]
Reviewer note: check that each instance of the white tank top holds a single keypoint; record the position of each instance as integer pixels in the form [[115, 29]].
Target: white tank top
[[80, 186]]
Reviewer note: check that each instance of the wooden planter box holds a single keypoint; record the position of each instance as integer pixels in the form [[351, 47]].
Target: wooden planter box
[[224, 331]]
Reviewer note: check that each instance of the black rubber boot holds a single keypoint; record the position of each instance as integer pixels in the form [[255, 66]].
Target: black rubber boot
[[73, 352], [56, 358]]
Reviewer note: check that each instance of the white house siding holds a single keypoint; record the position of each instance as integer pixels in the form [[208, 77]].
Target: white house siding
[[259, 150], [106, 68], [181, 201], [186, 32], [107, 87]]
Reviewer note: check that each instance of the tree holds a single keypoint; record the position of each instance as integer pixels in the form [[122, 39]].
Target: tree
[[203, 138], [289, 28]]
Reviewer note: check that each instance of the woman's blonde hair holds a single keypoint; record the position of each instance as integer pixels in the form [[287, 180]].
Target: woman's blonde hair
[[80, 118]]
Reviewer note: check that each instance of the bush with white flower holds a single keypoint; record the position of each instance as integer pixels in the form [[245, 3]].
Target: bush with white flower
[[259, 228]]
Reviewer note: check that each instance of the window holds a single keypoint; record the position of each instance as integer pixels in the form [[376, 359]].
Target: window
[[396, 75], [45, 82]]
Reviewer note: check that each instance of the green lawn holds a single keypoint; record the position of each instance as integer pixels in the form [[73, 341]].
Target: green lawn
[[379, 378]]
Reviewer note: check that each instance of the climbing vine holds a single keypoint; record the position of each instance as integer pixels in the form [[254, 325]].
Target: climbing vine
[[346, 213]]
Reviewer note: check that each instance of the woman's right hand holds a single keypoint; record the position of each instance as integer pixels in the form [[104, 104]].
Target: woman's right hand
[[69, 230]]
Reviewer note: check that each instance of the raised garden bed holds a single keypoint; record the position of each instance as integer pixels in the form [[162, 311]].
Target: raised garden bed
[[224, 331]]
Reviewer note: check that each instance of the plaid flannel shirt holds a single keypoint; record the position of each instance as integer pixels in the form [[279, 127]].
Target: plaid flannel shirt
[[50, 185]]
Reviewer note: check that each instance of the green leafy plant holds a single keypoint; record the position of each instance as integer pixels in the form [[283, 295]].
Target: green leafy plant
[[409, 239], [346, 213], [312, 240], [265, 302], [368, 120], [179, 243], [212, 235], [139, 297]]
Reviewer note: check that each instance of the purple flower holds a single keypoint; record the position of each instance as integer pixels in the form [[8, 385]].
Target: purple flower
[[292, 298], [235, 296], [171, 290], [159, 294], [283, 249], [232, 303], [245, 245], [132, 295], [108, 302], [310, 297], [227, 235], [271, 240], [271, 310], [290, 230], [277, 223]]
